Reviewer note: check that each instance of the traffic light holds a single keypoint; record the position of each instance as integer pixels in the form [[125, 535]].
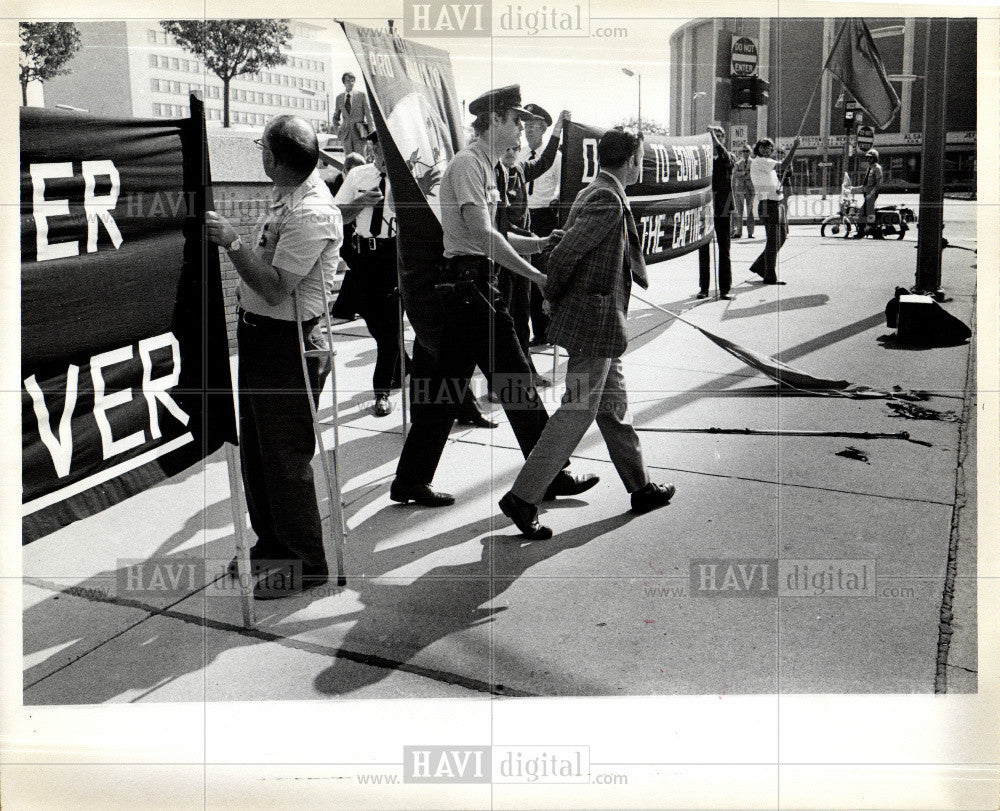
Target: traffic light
[[743, 91], [852, 115], [761, 92]]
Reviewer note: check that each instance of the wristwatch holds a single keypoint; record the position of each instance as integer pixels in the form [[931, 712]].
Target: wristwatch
[[234, 246]]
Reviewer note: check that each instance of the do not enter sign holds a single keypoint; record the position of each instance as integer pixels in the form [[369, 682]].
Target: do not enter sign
[[744, 57], [866, 138]]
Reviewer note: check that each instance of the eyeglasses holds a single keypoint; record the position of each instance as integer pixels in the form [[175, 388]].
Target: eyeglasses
[[259, 143]]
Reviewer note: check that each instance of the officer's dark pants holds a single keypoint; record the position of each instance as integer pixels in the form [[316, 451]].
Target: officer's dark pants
[[474, 334], [277, 443], [543, 223], [380, 308]]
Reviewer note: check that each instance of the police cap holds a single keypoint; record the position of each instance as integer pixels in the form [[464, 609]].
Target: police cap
[[538, 111], [499, 100]]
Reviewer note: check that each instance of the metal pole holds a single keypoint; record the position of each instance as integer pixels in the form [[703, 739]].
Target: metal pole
[[931, 218], [640, 101]]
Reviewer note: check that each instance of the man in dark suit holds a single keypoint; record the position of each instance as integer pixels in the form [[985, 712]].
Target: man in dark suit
[[352, 117], [590, 273]]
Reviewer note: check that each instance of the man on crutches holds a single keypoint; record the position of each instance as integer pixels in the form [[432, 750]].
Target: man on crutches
[[297, 244]]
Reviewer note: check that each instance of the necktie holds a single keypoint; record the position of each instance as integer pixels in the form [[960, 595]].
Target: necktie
[[376, 224], [637, 264], [347, 103], [501, 219], [531, 184]]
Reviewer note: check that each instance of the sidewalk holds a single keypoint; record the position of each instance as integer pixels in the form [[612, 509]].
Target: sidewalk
[[449, 602]]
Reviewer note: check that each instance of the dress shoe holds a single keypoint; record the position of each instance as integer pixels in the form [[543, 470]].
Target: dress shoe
[[288, 581], [566, 484], [542, 382], [525, 517], [702, 294], [727, 296], [383, 405], [422, 494], [257, 566], [773, 281], [477, 420], [651, 497]]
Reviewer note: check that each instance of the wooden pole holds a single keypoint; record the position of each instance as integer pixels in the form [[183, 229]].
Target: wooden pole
[[244, 573]]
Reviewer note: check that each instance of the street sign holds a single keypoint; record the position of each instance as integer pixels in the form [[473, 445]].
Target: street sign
[[738, 134], [743, 61], [866, 138]]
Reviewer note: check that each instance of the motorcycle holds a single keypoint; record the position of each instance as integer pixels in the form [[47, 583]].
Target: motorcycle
[[888, 220]]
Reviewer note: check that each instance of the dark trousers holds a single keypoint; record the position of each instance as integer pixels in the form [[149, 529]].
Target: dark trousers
[[868, 210], [722, 238], [380, 309], [474, 334], [277, 443], [543, 222], [516, 291], [766, 264]]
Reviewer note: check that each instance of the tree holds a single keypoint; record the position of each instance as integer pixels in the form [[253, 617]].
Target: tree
[[649, 126], [232, 48], [45, 48]]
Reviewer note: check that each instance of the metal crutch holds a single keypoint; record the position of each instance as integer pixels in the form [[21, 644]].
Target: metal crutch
[[332, 477]]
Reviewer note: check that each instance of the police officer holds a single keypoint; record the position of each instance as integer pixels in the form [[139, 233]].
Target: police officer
[[870, 187], [476, 329]]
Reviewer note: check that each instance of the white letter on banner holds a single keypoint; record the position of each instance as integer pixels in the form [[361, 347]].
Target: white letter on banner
[[100, 207], [159, 388], [42, 209], [60, 449], [103, 403]]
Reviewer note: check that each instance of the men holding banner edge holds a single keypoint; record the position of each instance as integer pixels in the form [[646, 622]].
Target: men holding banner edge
[[476, 328], [296, 249]]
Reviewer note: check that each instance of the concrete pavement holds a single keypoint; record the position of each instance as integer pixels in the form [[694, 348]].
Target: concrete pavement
[[450, 602]]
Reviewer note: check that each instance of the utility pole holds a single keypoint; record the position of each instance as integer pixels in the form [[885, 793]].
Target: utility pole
[[931, 218]]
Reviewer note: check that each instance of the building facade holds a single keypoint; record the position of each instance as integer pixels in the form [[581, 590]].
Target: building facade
[[134, 69], [789, 54]]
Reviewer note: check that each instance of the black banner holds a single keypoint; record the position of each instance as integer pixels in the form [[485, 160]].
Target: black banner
[[125, 375], [418, 119], [672, 200]]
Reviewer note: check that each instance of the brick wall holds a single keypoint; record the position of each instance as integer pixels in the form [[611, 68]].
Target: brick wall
[[242, 204]]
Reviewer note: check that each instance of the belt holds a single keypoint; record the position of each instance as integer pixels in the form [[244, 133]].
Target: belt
[[468, 268], [369, 243]]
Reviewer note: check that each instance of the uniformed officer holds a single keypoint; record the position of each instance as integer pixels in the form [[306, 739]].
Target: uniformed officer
[[296, 249], [476, 329]]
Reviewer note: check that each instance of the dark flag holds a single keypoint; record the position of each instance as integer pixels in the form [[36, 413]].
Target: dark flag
[[854, 60], [124, 361], [418, 120], [671, 201]]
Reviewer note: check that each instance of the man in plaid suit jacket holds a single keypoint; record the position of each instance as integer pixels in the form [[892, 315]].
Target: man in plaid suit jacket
[[590, 273]]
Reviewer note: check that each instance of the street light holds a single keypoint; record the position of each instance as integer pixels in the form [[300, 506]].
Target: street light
[[629, 73]]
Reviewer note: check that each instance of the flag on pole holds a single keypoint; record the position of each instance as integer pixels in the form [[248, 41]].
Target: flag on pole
[[854, 60]]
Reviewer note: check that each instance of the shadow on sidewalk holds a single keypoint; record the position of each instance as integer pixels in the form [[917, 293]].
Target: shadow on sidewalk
[[405, 618]]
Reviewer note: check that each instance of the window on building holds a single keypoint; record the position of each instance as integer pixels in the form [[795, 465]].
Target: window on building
[[175, 63], [151, 35], [322, 66]]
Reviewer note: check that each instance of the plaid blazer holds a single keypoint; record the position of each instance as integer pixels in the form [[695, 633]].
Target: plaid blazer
[[589, 281]]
